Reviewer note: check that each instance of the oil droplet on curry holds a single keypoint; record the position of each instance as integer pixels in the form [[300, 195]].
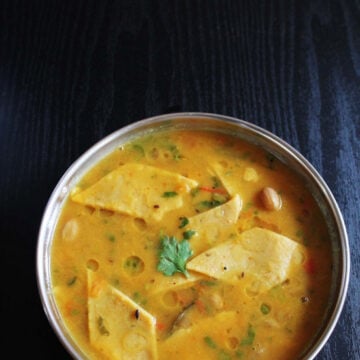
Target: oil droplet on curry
[[191, 245]]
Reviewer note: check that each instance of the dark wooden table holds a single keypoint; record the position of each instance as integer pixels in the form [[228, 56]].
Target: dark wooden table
[[72, 72]]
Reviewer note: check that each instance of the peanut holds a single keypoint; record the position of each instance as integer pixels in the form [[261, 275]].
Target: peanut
[[270, 199], [70, 230]]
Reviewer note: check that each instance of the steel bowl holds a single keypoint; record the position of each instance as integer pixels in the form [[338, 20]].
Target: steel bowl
[[205, 121]]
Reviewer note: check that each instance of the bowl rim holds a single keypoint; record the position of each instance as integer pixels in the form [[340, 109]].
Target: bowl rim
[[61, 189]]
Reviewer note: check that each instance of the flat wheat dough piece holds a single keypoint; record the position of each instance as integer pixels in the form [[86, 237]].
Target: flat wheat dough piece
[[203, 333], [231, 183], [119, 327], [138, 190], [161, 284], [262, 254], [215, 225]]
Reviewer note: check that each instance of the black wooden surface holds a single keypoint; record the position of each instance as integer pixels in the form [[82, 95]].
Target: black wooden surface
[[72, 72]]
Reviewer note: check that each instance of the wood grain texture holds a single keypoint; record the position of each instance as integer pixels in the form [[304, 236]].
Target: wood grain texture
[[72, 72]]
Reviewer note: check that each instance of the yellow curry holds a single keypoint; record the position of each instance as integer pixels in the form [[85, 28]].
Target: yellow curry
[[191, 245]]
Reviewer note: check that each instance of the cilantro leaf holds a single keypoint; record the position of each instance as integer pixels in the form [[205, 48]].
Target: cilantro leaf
[[173, 255], [175, 152], [210, 342], [249, 338], [168, 194], [183, 222], [189, 234]]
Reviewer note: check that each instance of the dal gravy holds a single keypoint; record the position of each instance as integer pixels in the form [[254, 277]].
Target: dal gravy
[[191, 245]]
